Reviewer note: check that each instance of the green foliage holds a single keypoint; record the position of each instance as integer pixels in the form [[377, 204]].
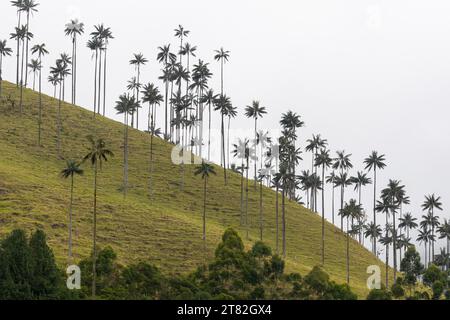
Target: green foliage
[[432, 275], [438, 290], [379, 294], [411, 266]]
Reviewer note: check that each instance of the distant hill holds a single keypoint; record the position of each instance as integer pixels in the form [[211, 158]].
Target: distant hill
[[165, 231]]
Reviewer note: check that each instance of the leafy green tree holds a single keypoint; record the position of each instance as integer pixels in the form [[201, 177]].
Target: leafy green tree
[[70, 171], [97, 154], [379, 294]]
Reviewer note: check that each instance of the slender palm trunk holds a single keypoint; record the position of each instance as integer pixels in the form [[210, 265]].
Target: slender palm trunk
[[223, 150], [348, 258], [1, 79], [73, 69], [21, 78], [277, 218], [152, 131], [40, 103], [95, 82], [209, 134], [228, 142], [204, 211], [70, 219], [99, 97], [323, 215], [59, 120], [283, 220], [256, 146], [374, 206], [332, 202], [166, 103], [394, 235], [246, 200], [125, 167], [94, 249], [242, 194], [27, 42], [18, 50], [137, 95], [104, 83], [261, 220]]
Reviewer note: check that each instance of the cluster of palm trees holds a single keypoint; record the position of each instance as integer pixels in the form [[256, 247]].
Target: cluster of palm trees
[[189, 102]]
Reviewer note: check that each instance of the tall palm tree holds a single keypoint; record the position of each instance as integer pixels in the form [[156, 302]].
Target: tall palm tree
[[66, 60], [151, 96], [60, 71], [444, 232], [375, 162], [360, 180], [204, 170], [241, 151], [387, 241], [343, 181], [287, 181], [189, 51], [4, 51], [409, 223], [431, 203], [126, 105], [18, 4], [35, 67], [54, 81], [41, 51], [324, 161], [276, 182], [28, 7], [351, 211], [73, 29], [106, 37], [373, 232], [138, 61], [223, 105], [313, 146], [256, 112], [72, 169], [331, 179], [424, 237], [164, 56], [98, 153], [181, 33], [209, 98], [222, 56], [96, 45]]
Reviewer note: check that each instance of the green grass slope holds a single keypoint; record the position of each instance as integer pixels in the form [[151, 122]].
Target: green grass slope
[[165, 231]]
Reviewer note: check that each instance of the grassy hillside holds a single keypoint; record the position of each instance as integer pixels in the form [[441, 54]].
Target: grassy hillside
[[165, 231]]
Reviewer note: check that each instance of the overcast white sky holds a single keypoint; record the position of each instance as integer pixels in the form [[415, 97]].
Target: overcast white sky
[[367, 75]]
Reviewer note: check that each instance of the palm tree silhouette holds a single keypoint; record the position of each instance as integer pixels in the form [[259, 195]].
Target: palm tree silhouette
[[41, 51], [256, 112], [97, 154], [54, 81], [223, 105], [164, 56], [18, 4], [4, 51], [181, 33], [408, 222], [430, 204], [138, 61], [222, 56], [323, 160], [28, 7], [331, 179], [35, 67], [343, 181], [210, 99], [375, 162], [241, 151], [188, 51], [287, 181], [73, 29], [204, 170], [387, 241], [96, 45], [350, 211], [444, 233], [424, 237], [72, 169], [126, 105], [373, 232]]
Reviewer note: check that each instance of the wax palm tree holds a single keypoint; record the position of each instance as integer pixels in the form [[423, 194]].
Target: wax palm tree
[[424, 238], [350, 211], [189, 51], [54, 81], [164, 56], [181, 33], [387, 241], [35, 67], [444, 232], [61, 71], [106, 36], [222, 56], [28, 7], [241, 152], [209, 98], [375, 162], [256, 112], [373, 232], [70, 171], [231, 113], [151, 96], [443, 259], [324, 161], [408, 222], [431, 203], [205, 170], [40, 50], [138, 61], [223, 105], [96, 45], [74, 29], [331, 179], [18, 4], [343, 181], [287, 181], [126, 105], [66, 60], [313, 146], [360, 180], [98, 153], [4, 52], [276, 183], [263, 174]]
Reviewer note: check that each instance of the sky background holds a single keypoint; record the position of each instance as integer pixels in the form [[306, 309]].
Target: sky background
[[370, 75]]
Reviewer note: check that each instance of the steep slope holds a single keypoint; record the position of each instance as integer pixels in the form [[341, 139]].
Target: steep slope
[[166, 230]]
